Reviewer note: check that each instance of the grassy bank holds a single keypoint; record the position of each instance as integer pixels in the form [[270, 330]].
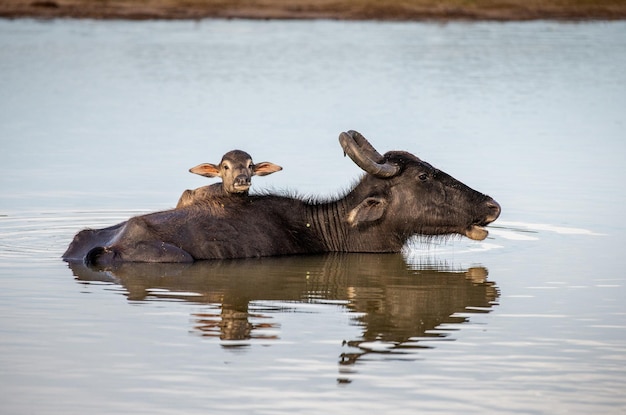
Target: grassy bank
[[320, 9]]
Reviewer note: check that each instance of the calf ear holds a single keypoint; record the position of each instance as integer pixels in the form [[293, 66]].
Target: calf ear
[[206, 170], [264, 168], [369, 210]]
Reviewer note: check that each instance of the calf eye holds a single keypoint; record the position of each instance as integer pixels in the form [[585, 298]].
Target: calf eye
[[422, 176]]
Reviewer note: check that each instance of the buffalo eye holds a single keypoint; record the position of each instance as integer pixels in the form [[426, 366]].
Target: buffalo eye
[[422, 176]]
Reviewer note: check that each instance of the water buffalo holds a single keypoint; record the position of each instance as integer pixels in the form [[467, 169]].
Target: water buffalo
[[236, 170], [399, 196]]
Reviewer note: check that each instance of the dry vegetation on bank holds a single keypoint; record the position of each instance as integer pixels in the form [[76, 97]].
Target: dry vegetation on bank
[[319, 9]]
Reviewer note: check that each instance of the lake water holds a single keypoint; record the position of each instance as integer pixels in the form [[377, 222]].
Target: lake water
[[100, 121]]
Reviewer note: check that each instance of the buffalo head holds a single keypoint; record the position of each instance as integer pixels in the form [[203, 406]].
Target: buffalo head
[[409, 196]]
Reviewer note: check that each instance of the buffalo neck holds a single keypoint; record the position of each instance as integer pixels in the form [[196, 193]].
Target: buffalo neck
[[329, 223]]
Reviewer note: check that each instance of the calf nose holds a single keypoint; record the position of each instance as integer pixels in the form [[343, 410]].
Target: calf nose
[[242, 180]]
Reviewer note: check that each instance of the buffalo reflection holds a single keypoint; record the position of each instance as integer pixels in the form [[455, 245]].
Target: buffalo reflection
[[395, 304]]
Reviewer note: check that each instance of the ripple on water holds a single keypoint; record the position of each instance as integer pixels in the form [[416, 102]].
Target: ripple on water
[[43, 236]]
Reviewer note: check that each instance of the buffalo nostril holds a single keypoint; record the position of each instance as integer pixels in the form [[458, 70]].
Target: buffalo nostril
[[494, 208]]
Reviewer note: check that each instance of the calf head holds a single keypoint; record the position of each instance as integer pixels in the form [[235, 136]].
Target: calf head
[[409, 196], [236, 170]]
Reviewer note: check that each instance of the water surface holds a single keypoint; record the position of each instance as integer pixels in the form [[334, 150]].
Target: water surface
[[100, 121]]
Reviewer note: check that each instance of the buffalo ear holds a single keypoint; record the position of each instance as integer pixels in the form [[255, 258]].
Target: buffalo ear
[[206, 170], [369, 210], [265, 167]]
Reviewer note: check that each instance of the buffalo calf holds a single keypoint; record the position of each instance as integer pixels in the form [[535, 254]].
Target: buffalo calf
[[236, 170]]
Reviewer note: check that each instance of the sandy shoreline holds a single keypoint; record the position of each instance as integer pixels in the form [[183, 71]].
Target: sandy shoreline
[[398, 10]]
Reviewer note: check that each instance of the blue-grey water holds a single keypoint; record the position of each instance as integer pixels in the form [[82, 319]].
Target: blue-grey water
[[100, 121]]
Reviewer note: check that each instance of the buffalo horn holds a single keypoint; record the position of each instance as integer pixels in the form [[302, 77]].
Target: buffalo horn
[[365, 155]]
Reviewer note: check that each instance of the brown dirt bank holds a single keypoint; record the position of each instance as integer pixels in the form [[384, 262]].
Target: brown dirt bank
[[499, 10]]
